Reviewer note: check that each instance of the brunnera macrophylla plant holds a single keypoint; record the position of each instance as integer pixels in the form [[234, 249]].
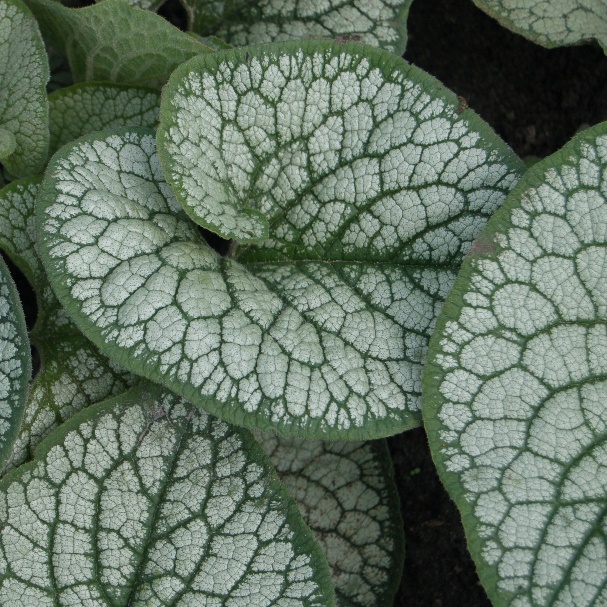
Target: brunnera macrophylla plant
[[350, 186], [515, 386]]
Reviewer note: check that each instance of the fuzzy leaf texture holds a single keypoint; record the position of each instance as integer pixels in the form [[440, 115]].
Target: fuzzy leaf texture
[[516, 384], [552, 23], [380, 23], [346, 494], [146, 500], [115, 42], [321, 331], [73, 374], [24, 72]]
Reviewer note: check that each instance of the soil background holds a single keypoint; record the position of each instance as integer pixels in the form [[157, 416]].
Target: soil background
[[536, 99]]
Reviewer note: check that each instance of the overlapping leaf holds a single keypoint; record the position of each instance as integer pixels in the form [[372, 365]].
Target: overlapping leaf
[[73, 374], [116, 42], [92, 106], [376, 22], [552, 23], [145, 500], [24, 73], [15, 363], [516, 385], [346, 494], [323, 331]]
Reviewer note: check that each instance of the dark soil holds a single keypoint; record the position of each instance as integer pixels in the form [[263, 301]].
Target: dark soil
[[536, 99]]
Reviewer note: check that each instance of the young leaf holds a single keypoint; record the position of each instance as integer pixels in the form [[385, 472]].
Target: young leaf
[[15, 363], [145, 500], [93, 106], [380, 23], [346, 495], [552, 23], [515, 386], [323, 331], [115, 42], [24, 73], [73, 374]]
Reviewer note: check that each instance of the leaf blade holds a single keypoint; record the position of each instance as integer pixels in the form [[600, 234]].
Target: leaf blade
[[510, 382], [166, 464]]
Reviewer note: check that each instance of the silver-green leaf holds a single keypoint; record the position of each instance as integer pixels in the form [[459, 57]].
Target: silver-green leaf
[[552, 23], [346, 494], [381, 23], [15, 363], [24, 72], [146, 500], [115, 42], [516, 385], [73, 374]]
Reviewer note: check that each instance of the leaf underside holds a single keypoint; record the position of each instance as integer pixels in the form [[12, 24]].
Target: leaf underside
[[552, 23], [24, 73], [145, 500], [379, 23], [346, 494], [516, 385], [321, 330]]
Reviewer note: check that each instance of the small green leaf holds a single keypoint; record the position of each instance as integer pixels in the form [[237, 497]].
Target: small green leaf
[[380, 23], [73, 374], [320, 332], [15, 363], [8, 143], [516, 384], [145, 500], [24, 73], [552, 23], [346, 494], [92, 106], [115, 42]]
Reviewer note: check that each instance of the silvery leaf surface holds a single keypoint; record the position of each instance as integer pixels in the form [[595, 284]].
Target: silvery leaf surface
[[73, 374], [94, 106], [147, 500], [552, 23], [24, 72], [381, 23], [15, 363], [115, 42], [346, 494], [516, 384]]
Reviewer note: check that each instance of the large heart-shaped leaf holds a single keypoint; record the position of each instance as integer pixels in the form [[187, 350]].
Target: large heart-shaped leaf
[[24, 73], [346, 494], [323, 330], [94, 106], [73, 374], [116, 42], [380, 23], [146, 500], [552, 23], [516, 385], [15, 363]]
